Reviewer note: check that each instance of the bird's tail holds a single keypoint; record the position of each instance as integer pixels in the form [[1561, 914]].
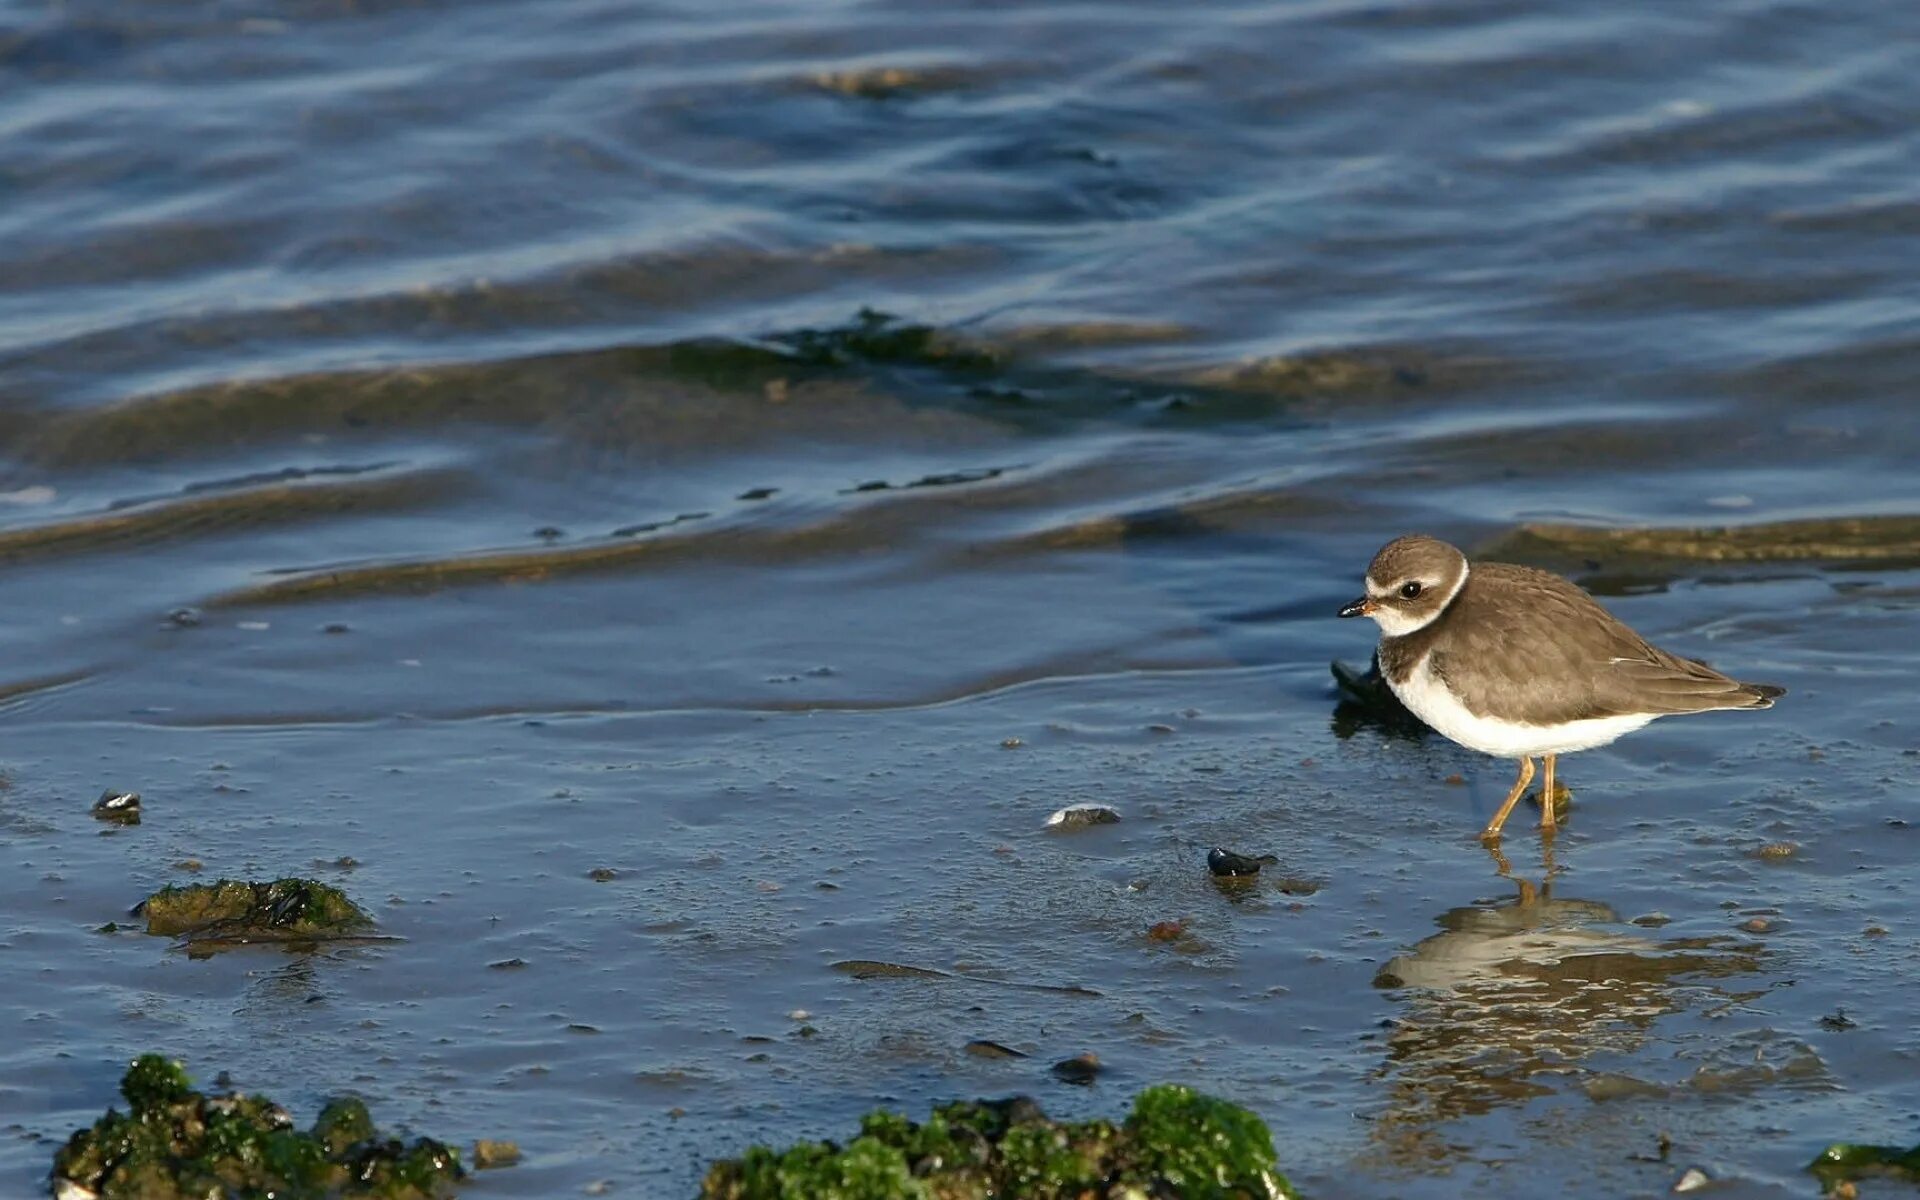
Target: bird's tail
[[1761, 695]]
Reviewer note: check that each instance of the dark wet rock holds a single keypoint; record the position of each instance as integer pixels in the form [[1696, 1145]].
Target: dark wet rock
[[982, 1048], [759, 493], [1080, 1070], [1293, 885], [1167, 931], [1082, 816], [507, 964], [285, 910], [1228, 864], [1777, 851], [1652, 920], [603, 874], [489, 1154], [120, 808], [1012, 743], [177, 1143], [1367, 702], [549, 533], [1838, 1021], [1176, 1142], [336, 627], [184, 618]]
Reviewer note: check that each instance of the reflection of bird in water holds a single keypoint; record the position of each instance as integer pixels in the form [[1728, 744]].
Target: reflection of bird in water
[[1506, 996]]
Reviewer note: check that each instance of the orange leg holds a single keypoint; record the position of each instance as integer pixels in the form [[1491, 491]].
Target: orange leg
[[1492, 832], [1546, 792]]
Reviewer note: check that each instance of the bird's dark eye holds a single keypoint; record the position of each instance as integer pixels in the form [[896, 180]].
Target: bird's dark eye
[[1410, 589]]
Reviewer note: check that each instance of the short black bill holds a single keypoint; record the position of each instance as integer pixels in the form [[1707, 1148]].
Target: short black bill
[[1362, 607]]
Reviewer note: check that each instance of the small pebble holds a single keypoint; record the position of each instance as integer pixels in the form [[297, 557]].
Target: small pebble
[[1777, 851], [1167, 931], [507, 964], [336, 627], [799, 1014], [1652, 920], [603, 874], [121, 808], [1012, 743], [184, 618], [1081, 816], [1692, 1181], [1227, 863], [1757, 925]]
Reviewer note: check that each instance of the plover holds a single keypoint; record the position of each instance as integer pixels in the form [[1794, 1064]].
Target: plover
[[1520, 663]]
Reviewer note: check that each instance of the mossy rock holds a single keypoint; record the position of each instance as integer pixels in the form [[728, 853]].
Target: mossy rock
[[1843, 1162], [1176, 1142], [176, 1143], [285, 910]]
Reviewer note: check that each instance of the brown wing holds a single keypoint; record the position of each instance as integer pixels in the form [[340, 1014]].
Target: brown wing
[[1543, 651]]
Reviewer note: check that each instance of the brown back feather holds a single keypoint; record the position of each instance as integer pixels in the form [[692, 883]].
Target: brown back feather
[[1525, 645]]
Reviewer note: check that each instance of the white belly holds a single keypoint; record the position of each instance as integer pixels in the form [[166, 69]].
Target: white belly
[[1429, 700]]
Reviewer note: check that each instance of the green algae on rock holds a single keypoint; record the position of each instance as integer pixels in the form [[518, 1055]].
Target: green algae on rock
[[1845, 1161], [177, 1143], [1873, 541], [232, 910], [1175, 1142]]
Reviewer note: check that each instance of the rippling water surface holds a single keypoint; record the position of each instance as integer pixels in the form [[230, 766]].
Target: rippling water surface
[[466, 439]]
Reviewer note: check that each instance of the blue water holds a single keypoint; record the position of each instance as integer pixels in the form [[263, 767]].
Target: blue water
[[470, 331]]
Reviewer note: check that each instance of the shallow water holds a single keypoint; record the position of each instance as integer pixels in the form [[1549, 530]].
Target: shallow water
[[447, 362]]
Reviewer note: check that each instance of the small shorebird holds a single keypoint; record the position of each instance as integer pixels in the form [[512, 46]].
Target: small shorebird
[[1520, 663]]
